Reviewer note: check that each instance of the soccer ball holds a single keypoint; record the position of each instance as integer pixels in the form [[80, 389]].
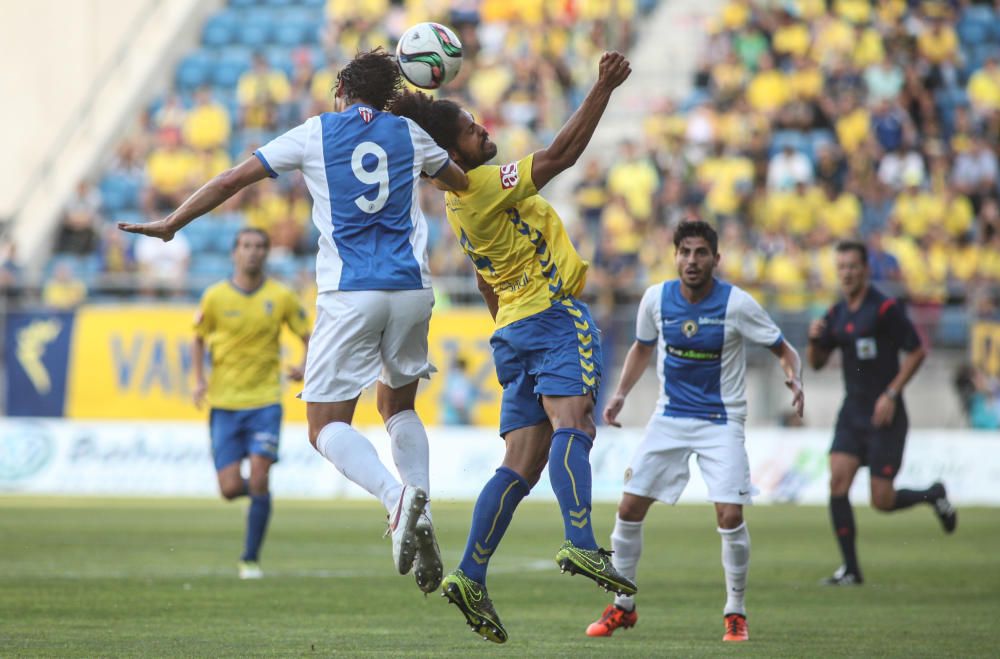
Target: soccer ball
[[429, 55]]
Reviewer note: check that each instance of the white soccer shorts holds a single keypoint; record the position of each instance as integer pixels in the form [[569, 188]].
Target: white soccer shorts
[[659, 469], [364, 336]]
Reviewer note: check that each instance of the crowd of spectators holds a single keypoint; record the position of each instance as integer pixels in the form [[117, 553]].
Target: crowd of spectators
[[526, 66]]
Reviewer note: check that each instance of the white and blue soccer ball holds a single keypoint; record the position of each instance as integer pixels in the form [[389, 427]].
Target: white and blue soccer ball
[[429, 55]]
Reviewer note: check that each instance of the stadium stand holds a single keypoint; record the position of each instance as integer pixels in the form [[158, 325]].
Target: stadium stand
[[808, 122]]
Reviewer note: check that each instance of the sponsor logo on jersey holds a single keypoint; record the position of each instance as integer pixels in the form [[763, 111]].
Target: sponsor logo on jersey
[[690, 328], [508, 175], [366, 114], [696, 355], [703, 320]]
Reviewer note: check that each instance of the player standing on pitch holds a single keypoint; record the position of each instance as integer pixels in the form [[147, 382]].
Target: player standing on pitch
[[361, 166], [239, 320], [870, 329], [698, 327], [546, 346]]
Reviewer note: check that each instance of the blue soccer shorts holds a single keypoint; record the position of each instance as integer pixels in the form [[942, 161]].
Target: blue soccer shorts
[[556, 352], [239, 433]]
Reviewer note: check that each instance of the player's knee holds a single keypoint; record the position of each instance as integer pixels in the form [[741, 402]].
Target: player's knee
[[629, 511], [839, 486], [258, 485], [232, 491], [729, 518], [884, 501]]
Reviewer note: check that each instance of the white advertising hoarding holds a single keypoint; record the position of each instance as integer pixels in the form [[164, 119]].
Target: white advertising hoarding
[[54, 456]]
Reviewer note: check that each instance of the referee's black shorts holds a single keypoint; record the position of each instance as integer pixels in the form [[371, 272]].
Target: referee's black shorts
[[880, 449]]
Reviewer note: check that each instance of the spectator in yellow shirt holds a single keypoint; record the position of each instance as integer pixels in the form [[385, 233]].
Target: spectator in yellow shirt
[[169, 170], [785, 274], [769, 90], [853, 124], [64, 290], [984, 90], [840, 214], [937, 45], [791, 39], [259, 90], [634, 178], [207, 124]]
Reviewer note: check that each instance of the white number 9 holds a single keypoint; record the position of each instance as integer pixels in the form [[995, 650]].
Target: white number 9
[[378, 176]]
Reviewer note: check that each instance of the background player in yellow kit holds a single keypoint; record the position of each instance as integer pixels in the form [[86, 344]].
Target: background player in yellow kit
[[239, 321]]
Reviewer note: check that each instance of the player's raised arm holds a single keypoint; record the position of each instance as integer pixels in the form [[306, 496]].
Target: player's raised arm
[[569, 144], [206, 199]]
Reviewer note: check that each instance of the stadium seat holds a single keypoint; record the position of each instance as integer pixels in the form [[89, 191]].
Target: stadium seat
[[194, 70], [253, 33], [201, 235], [278, 3], [244, 3], [953, 327], [119, 192], [208, 267], [230, 66], [226, 229], [291, 33], [220, 30], [314, 3]]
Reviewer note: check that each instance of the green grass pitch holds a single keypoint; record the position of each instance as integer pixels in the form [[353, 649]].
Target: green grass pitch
[[101, 577]]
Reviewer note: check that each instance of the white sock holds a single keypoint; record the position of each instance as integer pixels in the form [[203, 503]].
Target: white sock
[[626, 543], [355, 457], [736, 563], [410, 450]]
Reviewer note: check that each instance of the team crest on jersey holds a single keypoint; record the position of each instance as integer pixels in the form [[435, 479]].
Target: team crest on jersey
[[508, 175], [628, 475], [690, 328], [268, 307], [366, 114]]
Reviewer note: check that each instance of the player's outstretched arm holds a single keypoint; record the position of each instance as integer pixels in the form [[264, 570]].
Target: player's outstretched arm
[[635, 363], [792, 366], [569, 144], [207, 198]]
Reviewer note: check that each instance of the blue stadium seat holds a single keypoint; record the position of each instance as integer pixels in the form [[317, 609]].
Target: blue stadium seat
[[291, 33], [244, 3], [210, 267], [280, 57], [195, 70], [201, 236], [314, 3], [254, 33], [220, 29], [230, 66], [953, 328], [278, 3], [226, 229], [119, 192], [975, 26]]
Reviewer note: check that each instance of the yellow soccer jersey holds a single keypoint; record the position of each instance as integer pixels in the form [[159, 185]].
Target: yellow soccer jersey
[[515, 239], [241, 330]]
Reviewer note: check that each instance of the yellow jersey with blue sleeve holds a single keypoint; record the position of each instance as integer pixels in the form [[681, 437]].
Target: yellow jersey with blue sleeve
[[515, 239], [241, 330]]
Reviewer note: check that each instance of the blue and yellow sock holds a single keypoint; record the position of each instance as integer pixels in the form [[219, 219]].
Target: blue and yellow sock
[[569, 473], [490, 519], [257, 518]]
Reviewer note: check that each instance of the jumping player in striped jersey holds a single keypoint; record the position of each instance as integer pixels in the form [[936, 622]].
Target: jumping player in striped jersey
[[546, 347], [361, 166], [697, 325]]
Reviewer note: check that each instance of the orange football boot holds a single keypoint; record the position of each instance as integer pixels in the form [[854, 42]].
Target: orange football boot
[[612, 618], [736, 628]]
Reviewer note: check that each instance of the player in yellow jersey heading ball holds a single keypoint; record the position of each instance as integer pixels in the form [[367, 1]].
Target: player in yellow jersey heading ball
[[239, 321], [546, 346]]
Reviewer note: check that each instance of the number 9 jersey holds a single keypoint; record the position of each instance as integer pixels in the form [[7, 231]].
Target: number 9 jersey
[[361, 167]]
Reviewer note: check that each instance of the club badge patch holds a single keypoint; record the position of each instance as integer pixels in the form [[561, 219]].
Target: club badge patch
[[628, 475], [689, 328]]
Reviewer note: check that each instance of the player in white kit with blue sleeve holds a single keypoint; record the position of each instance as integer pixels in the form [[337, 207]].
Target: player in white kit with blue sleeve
[[698, 327], [362, 167]]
